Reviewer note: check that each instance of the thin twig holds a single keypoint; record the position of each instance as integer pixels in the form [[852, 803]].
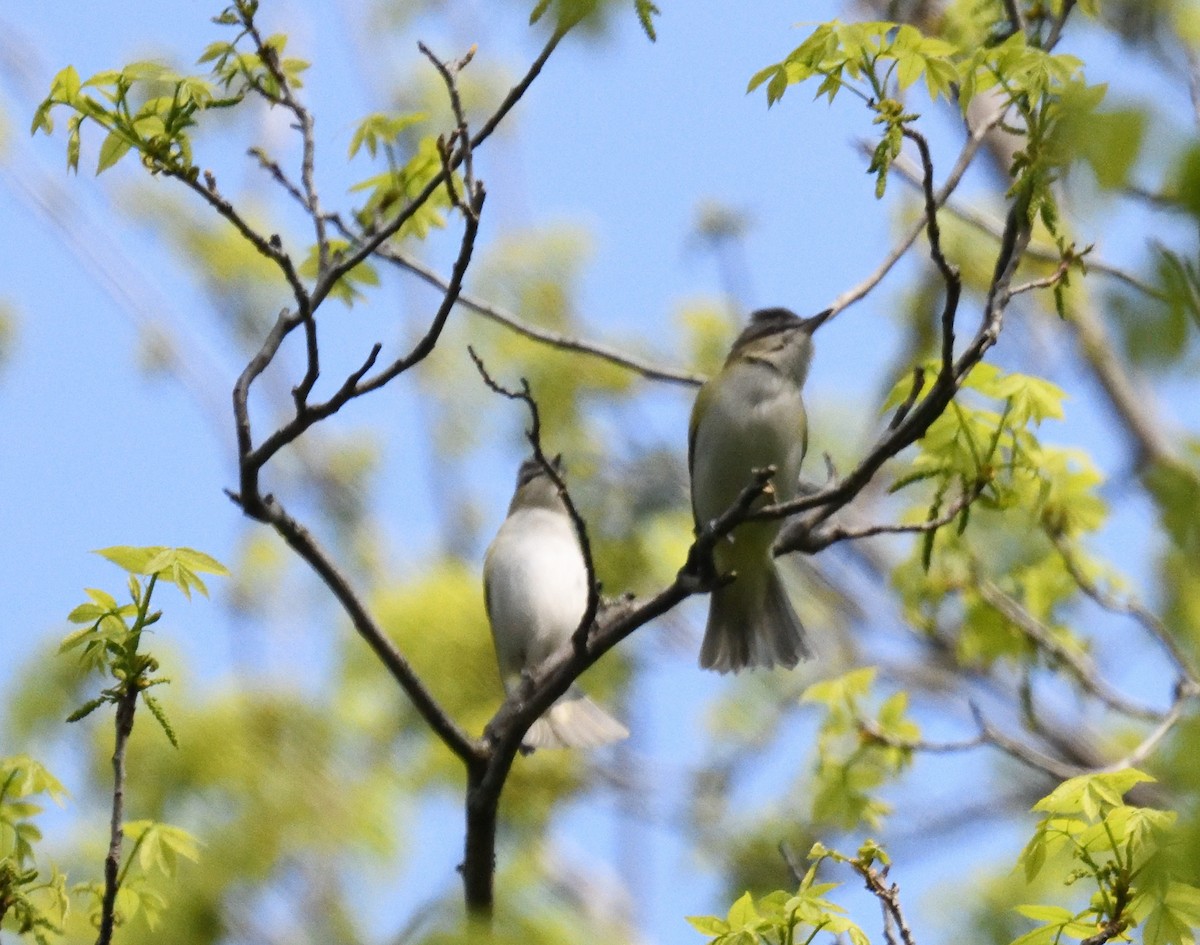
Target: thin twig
[[837, 533], [1016, 15], [1078, 664], [918, 384], [800, 535], [358, 384], [306, 546], [650, 370], [888, 895], [965, 157], [647, 369], [534, 435], [380, 236], [871, 730], [1045, 282], [268, 246], [1060, 21], [312, 203], [126, 706], [1133, 608], [461, 136]]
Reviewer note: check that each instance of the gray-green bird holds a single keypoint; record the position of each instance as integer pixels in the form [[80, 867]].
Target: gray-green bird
[[751, 415], [535, 590]]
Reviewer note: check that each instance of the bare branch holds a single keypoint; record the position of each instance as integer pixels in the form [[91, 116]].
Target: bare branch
[[267, 246], [380, 236], [1133, 608], [1076, 663], [889, 899], [872, 731], [461, 136], [838, 533], [647, 369], [918, 384], [1015, 15], [306, 546], [358, 384], [126, 706], [534, 436], [800, 535], [965, 157], [1057, 29], [1041, 252], [1045, 282]]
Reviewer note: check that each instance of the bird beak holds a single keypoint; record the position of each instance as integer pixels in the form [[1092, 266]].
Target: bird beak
[[812, 324]]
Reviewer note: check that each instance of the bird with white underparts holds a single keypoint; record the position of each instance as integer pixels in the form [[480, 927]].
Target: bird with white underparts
[[750, 415], [535, 587]]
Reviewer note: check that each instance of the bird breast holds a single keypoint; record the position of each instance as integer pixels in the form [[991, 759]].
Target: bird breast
[[536, 587], [755, 418]]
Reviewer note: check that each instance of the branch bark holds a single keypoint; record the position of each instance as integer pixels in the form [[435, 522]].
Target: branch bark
[[126, 707]]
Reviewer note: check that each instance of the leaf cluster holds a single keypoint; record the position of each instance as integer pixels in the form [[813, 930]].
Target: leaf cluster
[[1018, 501], [569, 13], [108, 642], [156, 849], [1113, 848], [858, 750], [782, 918], [986, 454], [879, 61], [27, 905], [149, 108]]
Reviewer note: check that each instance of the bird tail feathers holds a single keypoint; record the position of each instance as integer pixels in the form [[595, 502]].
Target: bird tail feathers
[[574, 721], [751, 623]]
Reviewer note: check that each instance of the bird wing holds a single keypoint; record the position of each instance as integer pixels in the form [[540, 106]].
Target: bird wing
[[487, 583], [698, 408]]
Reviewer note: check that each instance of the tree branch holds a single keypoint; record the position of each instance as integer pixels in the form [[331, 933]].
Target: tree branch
[[647, 369], [126, 706], [300, 540], [1148, 620], [977, 137], [380, 236], [889, 899], [534, 435], [1077, 664]]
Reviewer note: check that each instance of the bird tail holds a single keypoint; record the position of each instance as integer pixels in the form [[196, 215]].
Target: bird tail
[[751, 623], [574, 721]]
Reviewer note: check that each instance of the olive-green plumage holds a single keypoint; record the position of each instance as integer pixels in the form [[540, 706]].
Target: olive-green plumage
[[749, 416]]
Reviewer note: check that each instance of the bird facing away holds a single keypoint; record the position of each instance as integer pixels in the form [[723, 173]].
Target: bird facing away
[[535, 590], [749, 416]]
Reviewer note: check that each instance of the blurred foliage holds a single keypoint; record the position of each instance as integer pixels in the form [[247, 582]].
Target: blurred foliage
[[307, 797], [8, 333]]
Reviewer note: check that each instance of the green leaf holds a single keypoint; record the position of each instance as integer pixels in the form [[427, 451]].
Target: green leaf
[[1056, 914], [160, 716], [130, 558], [115, 147], [833, 692], [86, 709], [708, 924], [742, 912], [1090, 793]]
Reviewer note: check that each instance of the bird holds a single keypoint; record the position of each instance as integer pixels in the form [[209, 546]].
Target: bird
[[535, 588], [748, 416]]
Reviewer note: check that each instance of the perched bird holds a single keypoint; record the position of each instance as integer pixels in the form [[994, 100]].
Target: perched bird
[[535, 590], [749, 416]]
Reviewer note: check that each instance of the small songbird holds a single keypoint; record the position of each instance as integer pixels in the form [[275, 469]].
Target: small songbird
[[535, 590], [749, 416]]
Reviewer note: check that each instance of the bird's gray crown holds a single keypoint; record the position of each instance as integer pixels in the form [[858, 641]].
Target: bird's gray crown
[[531, 469], [771, 321]]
